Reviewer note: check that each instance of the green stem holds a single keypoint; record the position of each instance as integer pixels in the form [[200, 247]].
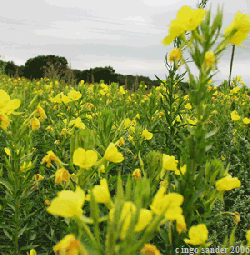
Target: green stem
[[231, 65]]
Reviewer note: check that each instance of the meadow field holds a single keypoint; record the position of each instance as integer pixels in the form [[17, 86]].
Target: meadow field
[[38, 159], [97, 169]]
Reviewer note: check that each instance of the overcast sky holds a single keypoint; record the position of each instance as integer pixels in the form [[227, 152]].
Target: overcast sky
[[126, 35]]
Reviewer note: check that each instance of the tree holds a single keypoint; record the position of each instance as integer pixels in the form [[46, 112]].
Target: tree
[[40, 66]]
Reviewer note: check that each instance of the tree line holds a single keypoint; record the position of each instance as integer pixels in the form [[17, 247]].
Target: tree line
[[55, 66]]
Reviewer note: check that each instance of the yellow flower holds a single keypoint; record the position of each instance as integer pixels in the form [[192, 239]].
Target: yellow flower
[[248, 237], [78, 123], [67, 203], [209, 58], [49, 128], [150, 249], [7, 151], [169, 203], [236, 218], [61, 175], [100, 192], [74, 95], [24, 166], [169, 163], [197, 234], [40, 111], [227, 183], [182, 170], [112, 154], [128, 210], [187, 20], [32, 252], [102, 92], [64, 131], [122, 91], [188, 106], [50, 156], [234, 115], [246, 121], [70, 245], [137, 116], [35, 123], [102, 169], [7, 106], [47, 202], [147, 135], [65, 99], [175, 55], [242, 23], [181, 224], [84, 159], [4, 121], [137, 174], [127, 123], [121, 141]]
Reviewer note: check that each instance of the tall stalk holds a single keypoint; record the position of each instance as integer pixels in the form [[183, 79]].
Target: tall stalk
[[231, 65]]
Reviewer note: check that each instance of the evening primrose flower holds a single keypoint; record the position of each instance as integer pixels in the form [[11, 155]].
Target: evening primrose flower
[[100, 192], [35, 123], [209, 58], [70, 245], [242, 23], [181, 224], [65, 99], [129, 209], [4, 121], [188, 106], [234, 115], [120, 142], [50, 156], [32, 252], [234, 90], [74, 95], [7, 151], [112, 154], [102, 169], [25, 166], [61, 175], [84, 159], [150, 249], [137, 174], [246, 121], [175, 55], [7, 106], [169, 163], [182, 170], [248, 237], [122, 91], [228, 183], [197, 234], [68, 203], [187, 20], [169, 203], [147, 135], [78, 123]]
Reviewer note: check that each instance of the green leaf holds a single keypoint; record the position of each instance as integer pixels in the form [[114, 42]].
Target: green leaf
[[211, 133], [7, 185], [7, 234], [21, 231]]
